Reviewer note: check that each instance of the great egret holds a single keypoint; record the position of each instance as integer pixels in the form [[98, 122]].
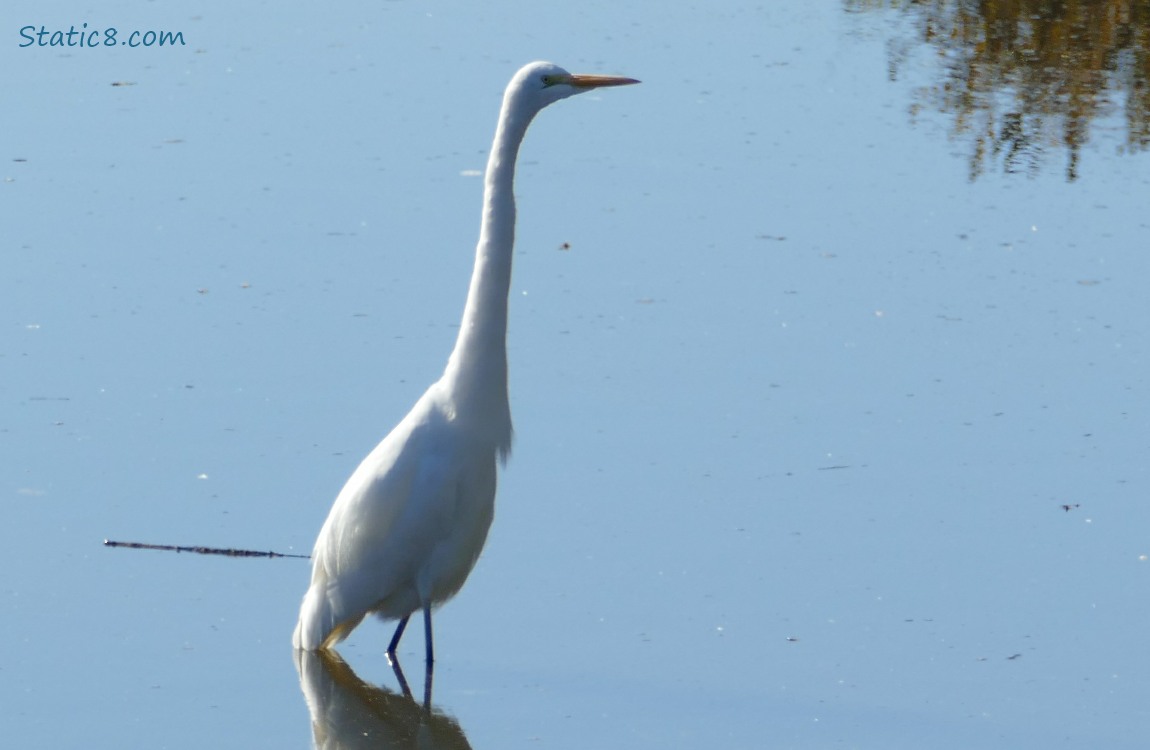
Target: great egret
[[407, 528]]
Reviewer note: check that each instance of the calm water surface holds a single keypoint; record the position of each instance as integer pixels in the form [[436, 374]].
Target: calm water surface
[[828, 357]]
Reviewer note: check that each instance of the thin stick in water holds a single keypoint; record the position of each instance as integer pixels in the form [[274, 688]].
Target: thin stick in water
[[203, 550]]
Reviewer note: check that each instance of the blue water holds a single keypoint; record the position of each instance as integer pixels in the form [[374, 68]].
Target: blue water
[[797, 403]]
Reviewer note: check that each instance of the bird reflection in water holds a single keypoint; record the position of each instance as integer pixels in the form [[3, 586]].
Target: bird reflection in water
[[347, 712]]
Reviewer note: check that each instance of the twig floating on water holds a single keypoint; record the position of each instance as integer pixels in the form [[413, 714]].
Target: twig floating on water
[[203, 550]]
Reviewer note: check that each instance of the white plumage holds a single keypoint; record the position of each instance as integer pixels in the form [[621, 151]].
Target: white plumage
[[407, 528]]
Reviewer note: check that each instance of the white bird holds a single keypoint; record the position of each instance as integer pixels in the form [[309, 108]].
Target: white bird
[[407, 528]]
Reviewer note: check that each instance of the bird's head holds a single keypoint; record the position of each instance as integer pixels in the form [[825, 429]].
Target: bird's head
[[538, 84]]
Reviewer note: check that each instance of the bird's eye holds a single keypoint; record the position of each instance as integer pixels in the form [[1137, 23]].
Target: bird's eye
[[548, 79]]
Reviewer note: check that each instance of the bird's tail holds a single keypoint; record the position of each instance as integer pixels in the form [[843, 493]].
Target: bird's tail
[[311, 630], [319, 623]]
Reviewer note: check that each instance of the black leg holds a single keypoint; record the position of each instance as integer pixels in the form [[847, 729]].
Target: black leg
[[394, 661], [395, 639], [430, 658], [427, 634]]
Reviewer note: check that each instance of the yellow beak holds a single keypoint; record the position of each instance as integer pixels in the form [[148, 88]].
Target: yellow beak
[[585, 81]]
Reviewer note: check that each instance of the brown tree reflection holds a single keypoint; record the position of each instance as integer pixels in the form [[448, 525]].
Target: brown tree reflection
[[1023, 78]]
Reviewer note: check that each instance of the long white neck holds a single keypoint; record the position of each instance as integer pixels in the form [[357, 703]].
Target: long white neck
[[476, 375]]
